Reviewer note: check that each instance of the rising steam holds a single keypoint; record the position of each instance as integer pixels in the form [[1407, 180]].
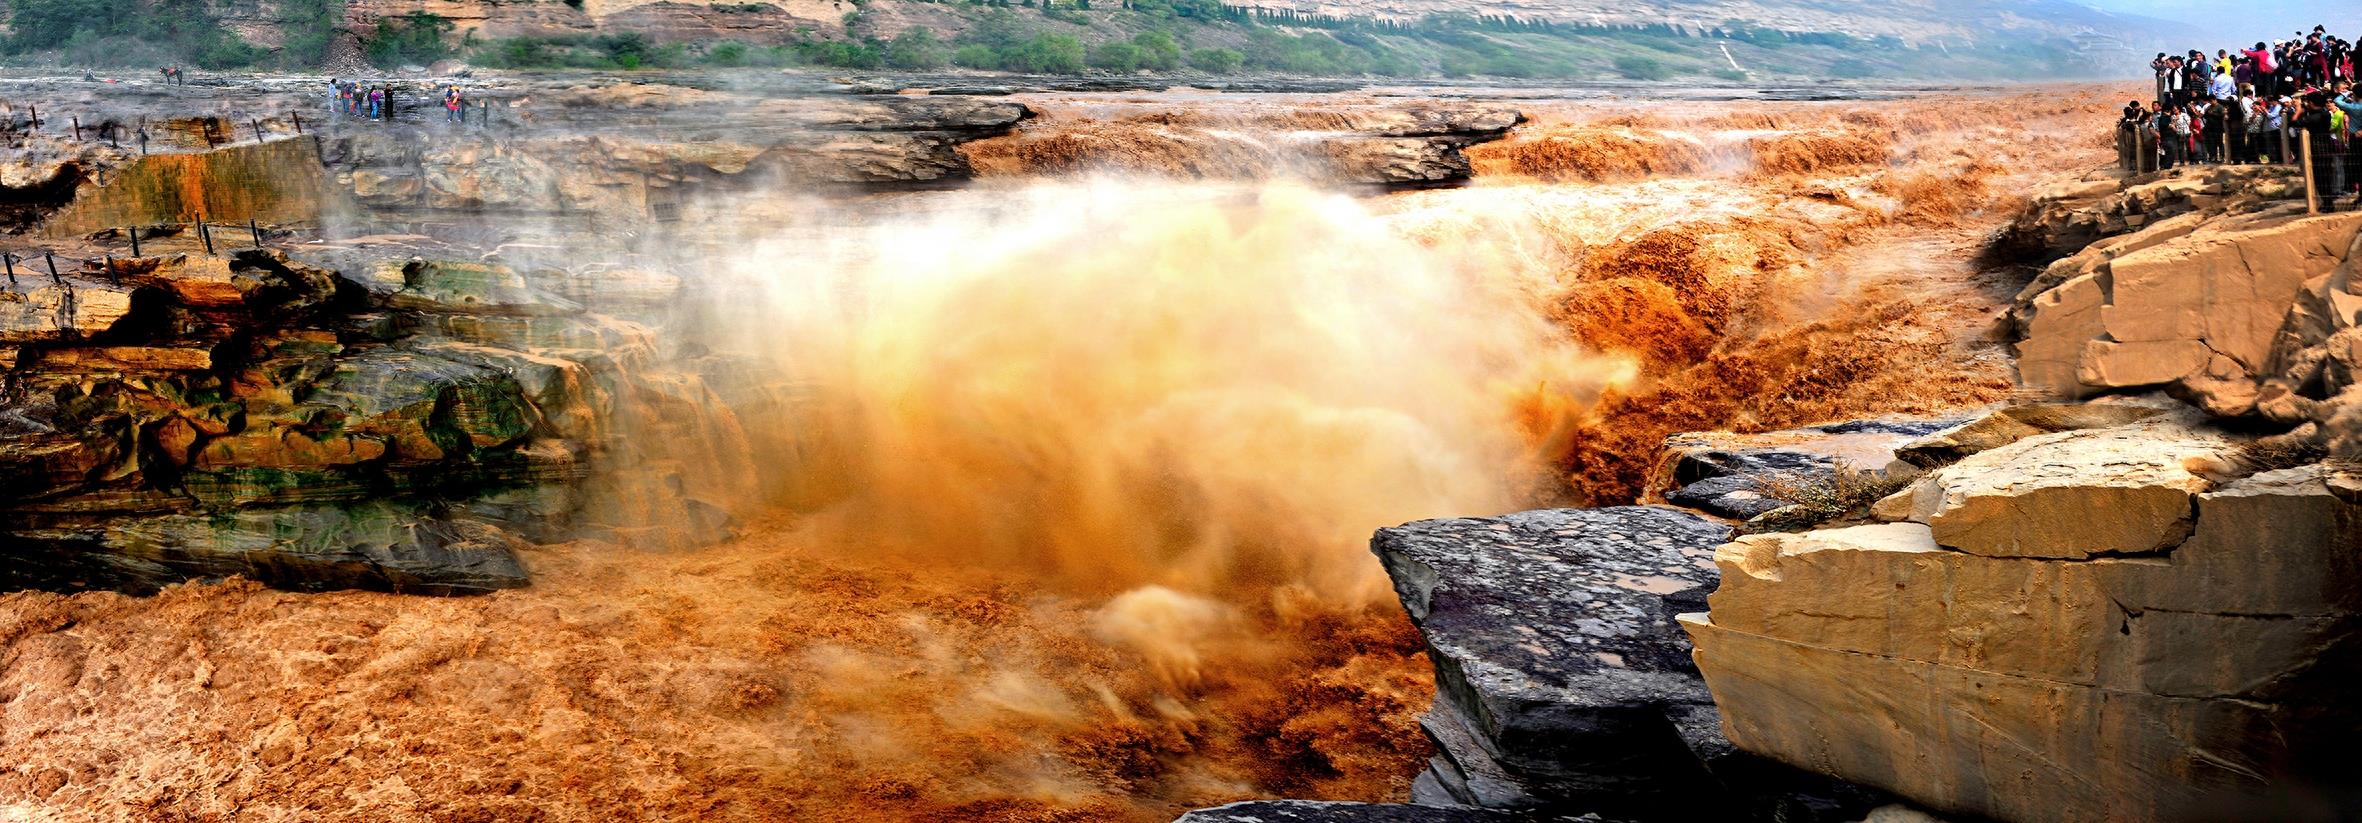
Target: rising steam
[[1202, 388]]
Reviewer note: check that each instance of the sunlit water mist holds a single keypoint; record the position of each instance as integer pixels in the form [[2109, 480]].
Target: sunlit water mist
[[1111, 386]]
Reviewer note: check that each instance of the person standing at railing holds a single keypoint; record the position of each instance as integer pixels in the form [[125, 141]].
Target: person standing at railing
[[2170, 84], [2275, 130], [2348, 108], [2316, 123], [2247, 121], [2204, 126], [2163, 66], [2233, 136], [2129, 130], [2196, 78]]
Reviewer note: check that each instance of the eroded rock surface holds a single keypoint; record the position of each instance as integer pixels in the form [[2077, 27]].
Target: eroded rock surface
[[1562, 684], [400, 428], [1316, 811], [2182, 686], [1728, 475]]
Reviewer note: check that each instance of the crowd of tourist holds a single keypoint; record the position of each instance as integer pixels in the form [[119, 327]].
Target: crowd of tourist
[[351, 99], [2268, 104]]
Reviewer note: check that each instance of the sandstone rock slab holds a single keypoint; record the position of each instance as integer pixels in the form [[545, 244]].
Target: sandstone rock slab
[[2076, 494], [2195, 684]]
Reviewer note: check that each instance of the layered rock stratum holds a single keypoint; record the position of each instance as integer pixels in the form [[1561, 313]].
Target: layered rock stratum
[[2135, 601]]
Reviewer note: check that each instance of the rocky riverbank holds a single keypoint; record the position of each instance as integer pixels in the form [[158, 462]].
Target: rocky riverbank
[[2140, 603], [328, 352]]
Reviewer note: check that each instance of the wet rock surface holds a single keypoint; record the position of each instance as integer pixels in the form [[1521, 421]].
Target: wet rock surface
[[1315, 811], [400, 428], [1728, 475], [1563, 685]]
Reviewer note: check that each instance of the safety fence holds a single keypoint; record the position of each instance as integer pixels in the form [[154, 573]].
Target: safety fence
[[215, 131], [218, 239], [2140, 150]]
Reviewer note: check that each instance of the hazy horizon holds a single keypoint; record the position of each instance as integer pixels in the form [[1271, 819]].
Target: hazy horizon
[[2232, 23]]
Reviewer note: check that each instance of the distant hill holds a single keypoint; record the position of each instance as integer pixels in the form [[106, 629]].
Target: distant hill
[[1676, 40]]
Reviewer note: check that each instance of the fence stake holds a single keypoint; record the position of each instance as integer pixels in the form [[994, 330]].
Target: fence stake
[[257, 124], [112, 274], [257, 229], [205, 233], [135, 241], [51, 256], [35, 111], [2312, 201], [2285, 156], [77, 127], [298, 122], [9, 260]]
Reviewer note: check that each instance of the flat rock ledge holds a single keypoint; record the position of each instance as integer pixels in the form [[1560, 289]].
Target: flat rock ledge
[[2070, 626], [1320, 811], [1564, 686]]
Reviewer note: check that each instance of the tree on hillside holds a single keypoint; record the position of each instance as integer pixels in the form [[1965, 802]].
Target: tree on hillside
[[916, 48], [111, 32], [411, 39]]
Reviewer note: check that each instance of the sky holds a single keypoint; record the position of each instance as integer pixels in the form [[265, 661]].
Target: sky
[[2248, 21]]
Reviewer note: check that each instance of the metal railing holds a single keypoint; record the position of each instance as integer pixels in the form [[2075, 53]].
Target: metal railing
[[2139, 151], [222, 130], [11, 262]]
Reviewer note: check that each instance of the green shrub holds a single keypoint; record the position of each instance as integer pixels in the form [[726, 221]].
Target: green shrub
[[101, 32], [1158, 50], [1218, 61], [977, 56], [916, 48], [1050, 54], [1116, 57], [1852, 68], [728, 53], [1642, 68], [411, 39]]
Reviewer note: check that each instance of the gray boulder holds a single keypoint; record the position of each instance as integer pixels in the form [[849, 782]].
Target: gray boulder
[[1322, 811]]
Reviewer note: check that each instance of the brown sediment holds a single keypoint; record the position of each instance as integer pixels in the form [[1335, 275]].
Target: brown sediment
[[1595, 155], [1816, 152], [1191, 629], [1116, 149], [735, 683]]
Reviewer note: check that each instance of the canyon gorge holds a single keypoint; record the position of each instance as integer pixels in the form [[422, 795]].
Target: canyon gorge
[[768, 447]]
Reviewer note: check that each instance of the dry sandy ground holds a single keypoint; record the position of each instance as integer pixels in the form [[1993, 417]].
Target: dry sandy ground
[[1760, 265]]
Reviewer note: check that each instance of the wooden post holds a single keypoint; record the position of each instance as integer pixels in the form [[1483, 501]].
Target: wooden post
[[2312, 202], [51, 256], [9, 261], [257, 124], [112, 275], [257, 229], [298, 122], [135, 241], [77, 127], [2285, 157], [35, 111], [206, 234]]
